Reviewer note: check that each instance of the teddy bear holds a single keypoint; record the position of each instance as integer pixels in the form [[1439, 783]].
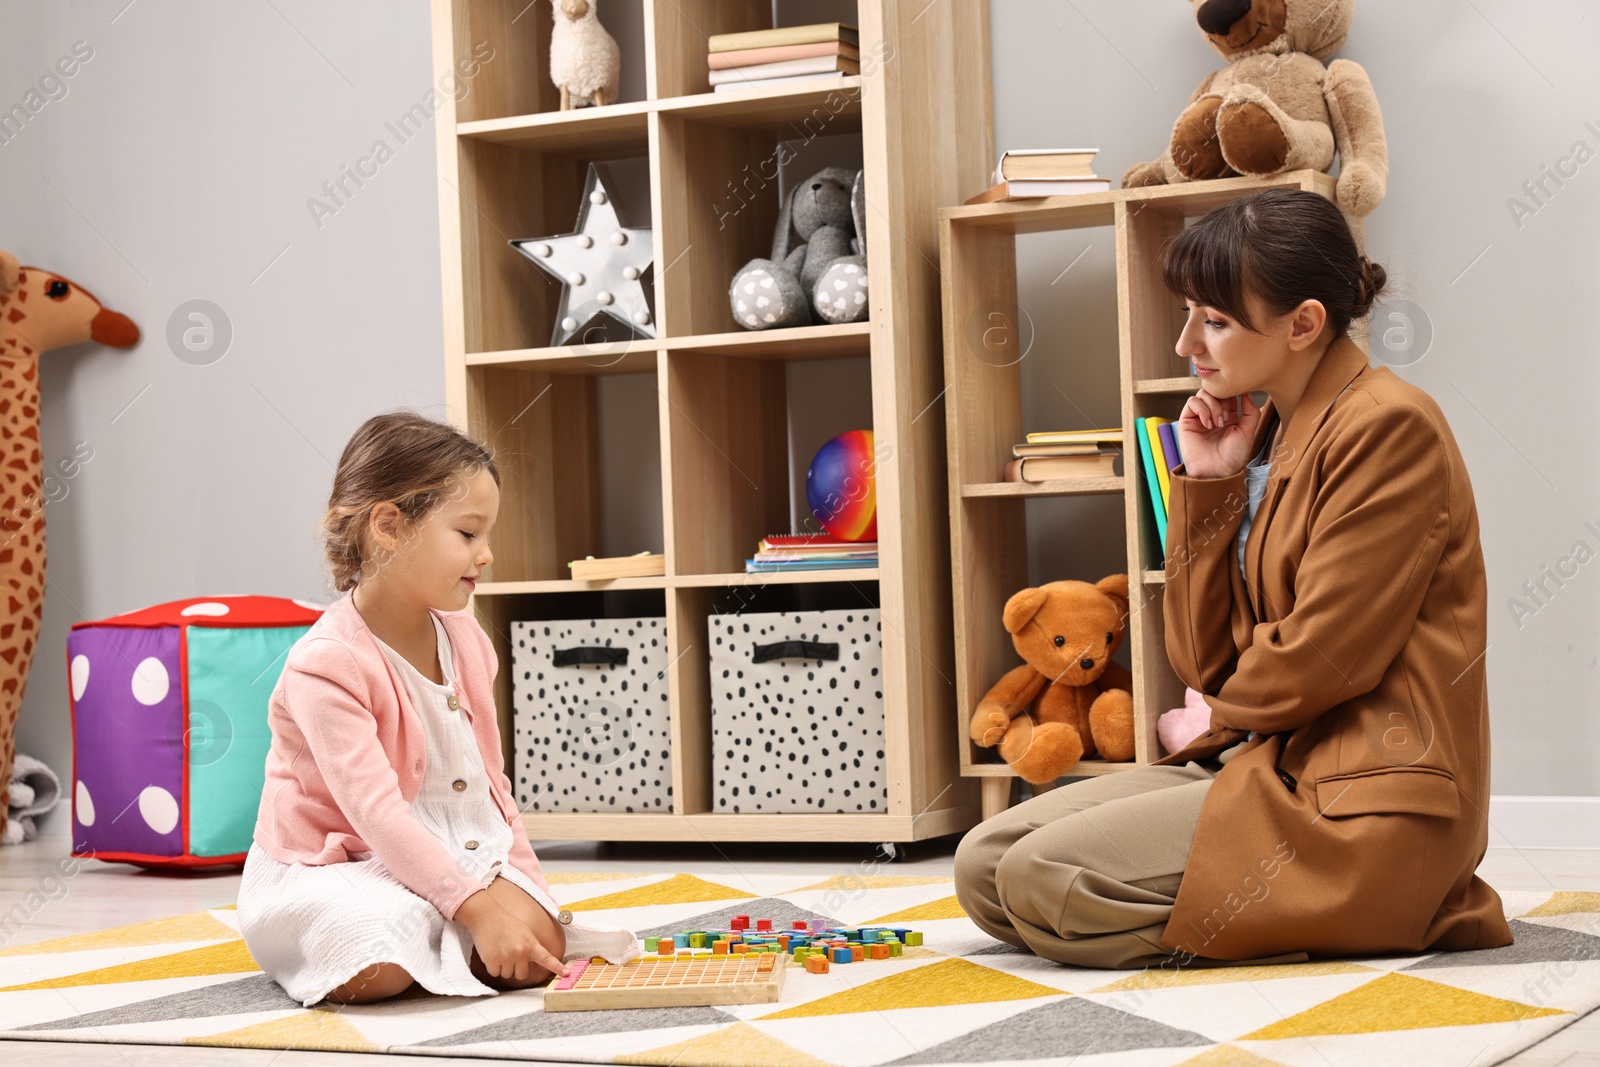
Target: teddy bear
[[1275, 107], [1082, 702], [1178, 727], [818, 269]]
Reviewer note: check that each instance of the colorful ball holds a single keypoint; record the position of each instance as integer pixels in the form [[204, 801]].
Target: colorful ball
[[841, 487]]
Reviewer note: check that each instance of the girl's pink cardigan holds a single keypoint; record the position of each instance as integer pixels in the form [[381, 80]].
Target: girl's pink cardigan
[[347, 757]]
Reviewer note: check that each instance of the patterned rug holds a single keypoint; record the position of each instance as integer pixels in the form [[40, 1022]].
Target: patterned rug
[[961, 998]]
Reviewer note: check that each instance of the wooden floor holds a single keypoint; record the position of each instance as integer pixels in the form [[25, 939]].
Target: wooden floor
[[103, 895]]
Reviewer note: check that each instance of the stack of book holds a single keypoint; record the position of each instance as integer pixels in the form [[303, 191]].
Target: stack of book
[[1157, 444], [1027, 173], [784, 55], [1048, 457], [810, 552]]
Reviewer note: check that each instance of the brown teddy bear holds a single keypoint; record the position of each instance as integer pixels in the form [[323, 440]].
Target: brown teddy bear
[[1275, 107], [1067, 632]]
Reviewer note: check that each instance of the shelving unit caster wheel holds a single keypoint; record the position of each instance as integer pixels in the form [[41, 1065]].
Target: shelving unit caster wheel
[[889, 852]]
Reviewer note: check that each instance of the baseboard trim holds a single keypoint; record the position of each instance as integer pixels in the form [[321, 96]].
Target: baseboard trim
[[1544, 822]]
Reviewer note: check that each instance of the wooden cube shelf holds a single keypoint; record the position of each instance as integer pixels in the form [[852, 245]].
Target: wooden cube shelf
[[983, 409], [511, 166]]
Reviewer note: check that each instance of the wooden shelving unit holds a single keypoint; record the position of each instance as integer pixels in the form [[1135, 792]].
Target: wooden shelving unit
[[983, 409], [512, 166]]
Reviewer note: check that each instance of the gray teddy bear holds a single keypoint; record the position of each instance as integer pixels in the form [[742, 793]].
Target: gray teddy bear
[[818, 269]]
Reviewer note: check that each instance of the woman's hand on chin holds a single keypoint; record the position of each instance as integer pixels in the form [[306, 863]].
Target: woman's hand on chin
[[1213, 437]]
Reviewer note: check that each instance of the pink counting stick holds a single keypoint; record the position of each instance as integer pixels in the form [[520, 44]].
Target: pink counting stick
[[574, 972]]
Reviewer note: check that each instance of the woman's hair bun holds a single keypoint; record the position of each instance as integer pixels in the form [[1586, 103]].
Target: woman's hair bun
[[1369, 286]]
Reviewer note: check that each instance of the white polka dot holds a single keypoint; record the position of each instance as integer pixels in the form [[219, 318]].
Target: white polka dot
[[150, 682], [159, 810], [80, 675], [312, 605], [84, 805], [209, 607]]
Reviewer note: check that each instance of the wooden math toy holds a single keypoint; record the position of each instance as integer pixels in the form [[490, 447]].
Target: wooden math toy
[[667, 982]]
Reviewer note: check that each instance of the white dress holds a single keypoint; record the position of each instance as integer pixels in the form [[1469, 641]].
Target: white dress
[[313, 928]]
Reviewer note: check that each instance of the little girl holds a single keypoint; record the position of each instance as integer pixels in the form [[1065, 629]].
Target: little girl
[[388, 849]]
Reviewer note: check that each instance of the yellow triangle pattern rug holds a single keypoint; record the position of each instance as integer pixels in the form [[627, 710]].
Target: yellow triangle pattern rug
[[962, 997]]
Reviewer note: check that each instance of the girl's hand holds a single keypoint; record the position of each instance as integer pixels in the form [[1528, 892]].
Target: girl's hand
[[1213, 438], [507, 946]]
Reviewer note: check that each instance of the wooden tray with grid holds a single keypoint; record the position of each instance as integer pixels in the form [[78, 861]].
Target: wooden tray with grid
[[667, 982]]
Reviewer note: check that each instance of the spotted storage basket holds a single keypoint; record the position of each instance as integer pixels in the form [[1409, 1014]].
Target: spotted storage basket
[[797, 712], [590, 715]]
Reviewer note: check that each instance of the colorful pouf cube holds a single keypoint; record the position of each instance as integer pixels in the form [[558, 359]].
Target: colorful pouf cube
[[169, 726]]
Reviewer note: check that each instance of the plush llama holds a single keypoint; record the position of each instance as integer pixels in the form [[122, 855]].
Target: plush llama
[[585, 62]]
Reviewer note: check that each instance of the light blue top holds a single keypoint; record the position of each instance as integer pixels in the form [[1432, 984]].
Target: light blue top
[[1255, 474]]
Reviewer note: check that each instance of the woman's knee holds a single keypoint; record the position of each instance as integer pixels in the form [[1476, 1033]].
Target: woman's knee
[[378, 982], [974, 862]]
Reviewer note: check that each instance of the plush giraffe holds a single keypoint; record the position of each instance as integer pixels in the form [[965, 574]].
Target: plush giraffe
[[38, 311]]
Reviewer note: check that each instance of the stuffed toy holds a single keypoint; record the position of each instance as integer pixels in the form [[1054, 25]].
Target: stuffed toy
[[818, 270], [1082, 701], [38, 311], [585, 63], [1176, 728], [1275, 107]]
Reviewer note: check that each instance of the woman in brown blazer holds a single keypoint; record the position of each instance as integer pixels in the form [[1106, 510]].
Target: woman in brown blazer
[[1325, 592]]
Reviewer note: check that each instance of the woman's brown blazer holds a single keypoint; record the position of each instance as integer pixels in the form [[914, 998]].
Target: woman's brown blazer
[[1354, 645]]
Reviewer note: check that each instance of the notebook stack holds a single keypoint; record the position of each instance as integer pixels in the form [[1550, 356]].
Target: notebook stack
[[778, 57], [1157, 443], [1053, 456], [1024, 174], [810, 552]]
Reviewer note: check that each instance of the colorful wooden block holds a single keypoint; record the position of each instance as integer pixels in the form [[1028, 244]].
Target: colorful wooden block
[[817, 964]]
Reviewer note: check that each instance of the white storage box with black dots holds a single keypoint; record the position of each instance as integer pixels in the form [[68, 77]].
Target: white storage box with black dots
[[590, 717], [797, 712]]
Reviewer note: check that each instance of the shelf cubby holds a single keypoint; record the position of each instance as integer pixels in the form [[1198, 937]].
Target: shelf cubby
[[544, 428], [723, 446], [508, 192], [509, 43], [985, 324]]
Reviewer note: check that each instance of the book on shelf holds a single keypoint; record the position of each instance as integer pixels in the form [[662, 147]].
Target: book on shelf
[[1033, 190], [1110, 436], [777, 552], [1033, 164], [765, 83], [762, 566], [788, 68], [1152, 483], [1169, 444], [822, 542], [1071, 448], [1163, 484], [644, 565], [1055, 468], [749, 57], [815, 33]]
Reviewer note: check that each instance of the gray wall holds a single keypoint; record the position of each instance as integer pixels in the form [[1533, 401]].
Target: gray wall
[[179, 162]]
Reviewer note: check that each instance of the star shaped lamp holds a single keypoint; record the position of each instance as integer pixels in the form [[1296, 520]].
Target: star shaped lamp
[[605, 270]]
